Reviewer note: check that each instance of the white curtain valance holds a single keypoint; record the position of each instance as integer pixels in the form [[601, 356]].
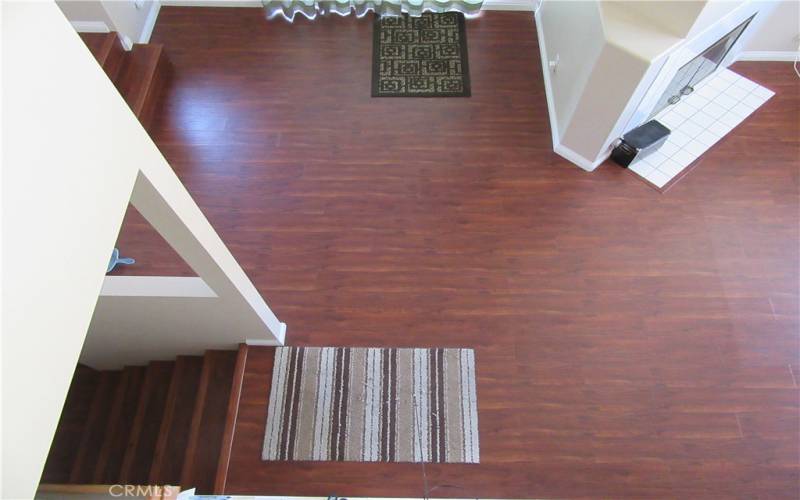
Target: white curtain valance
[[311, 8]]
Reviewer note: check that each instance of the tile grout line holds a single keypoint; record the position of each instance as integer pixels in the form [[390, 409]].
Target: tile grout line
[[712, 128]]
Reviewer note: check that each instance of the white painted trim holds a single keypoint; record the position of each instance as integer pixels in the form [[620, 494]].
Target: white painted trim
[[126, 42], [581, 161], [548, 89], [519, 5], [90, 26], [156, 286], [150, 22], [269, 342], [262, 343], [768, 55]]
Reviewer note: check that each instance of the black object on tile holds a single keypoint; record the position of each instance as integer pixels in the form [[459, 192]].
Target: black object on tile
[[640, 142]]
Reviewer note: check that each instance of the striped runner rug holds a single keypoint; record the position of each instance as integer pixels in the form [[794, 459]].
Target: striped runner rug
[[372, 405]]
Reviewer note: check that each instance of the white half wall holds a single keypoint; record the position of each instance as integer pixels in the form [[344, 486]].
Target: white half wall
[[74, 156], [66, 179], [140, 319], [132, 20]]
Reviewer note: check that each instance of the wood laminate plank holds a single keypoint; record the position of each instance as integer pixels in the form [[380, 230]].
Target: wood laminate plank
[[622, 335]]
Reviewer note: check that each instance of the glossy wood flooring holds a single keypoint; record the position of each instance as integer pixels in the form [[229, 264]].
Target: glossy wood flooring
[[629, 343]]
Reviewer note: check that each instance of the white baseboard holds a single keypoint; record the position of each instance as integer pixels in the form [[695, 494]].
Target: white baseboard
[[90, 26], [581, 161], [126, 42], [150, 22], [523, 5], [262, 343], [768, 55], [270, 342]]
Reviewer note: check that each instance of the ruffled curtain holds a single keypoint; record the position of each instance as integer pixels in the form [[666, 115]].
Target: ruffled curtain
[[311, 8]]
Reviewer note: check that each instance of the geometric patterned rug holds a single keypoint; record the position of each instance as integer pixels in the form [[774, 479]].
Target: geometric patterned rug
[[423, 56], [372, 405]]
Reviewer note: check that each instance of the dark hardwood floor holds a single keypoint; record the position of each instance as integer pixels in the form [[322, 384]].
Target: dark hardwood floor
[[629, 343]]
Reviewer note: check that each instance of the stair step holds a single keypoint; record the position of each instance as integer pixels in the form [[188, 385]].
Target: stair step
[[120, 423], [107, 49], [208, 421], [223, 462], [70, 428], [142, 79], [146, 424], [173, 435], [94, 431], [99, 44]]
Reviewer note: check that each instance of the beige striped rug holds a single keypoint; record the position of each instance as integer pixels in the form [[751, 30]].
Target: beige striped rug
[[372, 405]]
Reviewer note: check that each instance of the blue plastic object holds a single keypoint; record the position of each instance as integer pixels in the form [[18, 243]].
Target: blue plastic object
[[116, 259]]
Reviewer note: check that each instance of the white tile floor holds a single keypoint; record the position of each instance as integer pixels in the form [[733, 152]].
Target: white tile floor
[[699, 120]]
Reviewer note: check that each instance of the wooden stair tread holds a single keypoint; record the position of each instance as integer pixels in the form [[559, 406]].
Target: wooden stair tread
[[99, 44], [173, 435], [171, 422], [137, 77], [93, 436], [77, 405], [223, 462], [208, 421], [147, 423], [126, 399], [140, 74]]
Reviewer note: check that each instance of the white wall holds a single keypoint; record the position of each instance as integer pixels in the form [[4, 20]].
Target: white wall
[[777, 38], [85, 11], [576, 49], [133, 21], [673, 16], [604, 52], [711, 13], [139, 319], [67, 177], [608, 64]]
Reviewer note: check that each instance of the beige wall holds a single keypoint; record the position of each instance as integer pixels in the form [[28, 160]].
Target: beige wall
[[577, 48], [780, 30], [85, 10], [128, 19]]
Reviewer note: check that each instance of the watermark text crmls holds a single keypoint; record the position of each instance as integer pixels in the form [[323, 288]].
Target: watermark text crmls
[[137, 490]]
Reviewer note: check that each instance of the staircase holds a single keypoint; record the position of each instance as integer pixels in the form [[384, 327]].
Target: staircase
[[167, 423], [140, 74]]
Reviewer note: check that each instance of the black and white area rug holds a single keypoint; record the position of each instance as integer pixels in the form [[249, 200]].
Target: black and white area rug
[[422, 56]]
